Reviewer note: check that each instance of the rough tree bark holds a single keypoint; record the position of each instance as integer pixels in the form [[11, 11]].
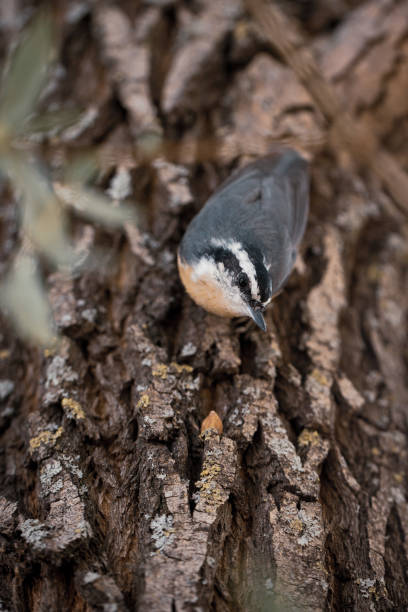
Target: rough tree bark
[[109, 497]]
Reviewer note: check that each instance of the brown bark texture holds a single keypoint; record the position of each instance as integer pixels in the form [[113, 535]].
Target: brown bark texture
[[111, 497]]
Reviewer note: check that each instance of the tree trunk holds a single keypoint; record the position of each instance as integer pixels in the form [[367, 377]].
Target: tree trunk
[[110, 497]]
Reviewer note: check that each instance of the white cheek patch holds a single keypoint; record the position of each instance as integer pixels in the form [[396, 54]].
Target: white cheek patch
[[245, 263], [208, 270], [234, 297]]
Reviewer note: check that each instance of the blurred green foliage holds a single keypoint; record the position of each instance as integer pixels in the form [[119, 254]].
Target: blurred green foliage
[[43, 205]]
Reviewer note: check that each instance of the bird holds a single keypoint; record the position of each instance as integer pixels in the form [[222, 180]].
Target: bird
[[239, 250]]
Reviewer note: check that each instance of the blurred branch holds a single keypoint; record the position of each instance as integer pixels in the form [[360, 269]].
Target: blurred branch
[[24, 299], [57, 120], [44, 220], [27, 73], [94, 205]]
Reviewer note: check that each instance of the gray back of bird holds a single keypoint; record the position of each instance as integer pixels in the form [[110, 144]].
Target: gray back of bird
[[264, 206]]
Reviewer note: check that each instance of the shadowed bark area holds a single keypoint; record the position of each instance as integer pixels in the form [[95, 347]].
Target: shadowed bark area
[[110, 498]]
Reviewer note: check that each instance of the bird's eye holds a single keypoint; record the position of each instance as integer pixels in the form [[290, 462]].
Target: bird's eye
[[242, 280]]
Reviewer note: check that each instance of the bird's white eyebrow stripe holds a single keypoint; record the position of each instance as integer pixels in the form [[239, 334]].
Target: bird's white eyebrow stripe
[[242, 256], [204, 267]]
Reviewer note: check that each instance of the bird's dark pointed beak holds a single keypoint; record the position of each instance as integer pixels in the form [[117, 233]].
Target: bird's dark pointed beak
[[257, 316]]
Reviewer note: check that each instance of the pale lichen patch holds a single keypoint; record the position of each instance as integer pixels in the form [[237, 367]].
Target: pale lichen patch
[[181, 367], [320, 377], [297, 525], [34, 533], [208, 489], [47, 474], [161, 371], [59, 371], [6, 387], [162, 531], [366, 586], [309, 438], [144, 401], [45, 437], [73, 408]]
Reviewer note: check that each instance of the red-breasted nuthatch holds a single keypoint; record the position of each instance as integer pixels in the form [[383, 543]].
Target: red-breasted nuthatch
[[240, 249]]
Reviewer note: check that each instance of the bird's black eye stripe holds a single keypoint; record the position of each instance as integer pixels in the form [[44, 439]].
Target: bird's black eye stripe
[[262, 276]]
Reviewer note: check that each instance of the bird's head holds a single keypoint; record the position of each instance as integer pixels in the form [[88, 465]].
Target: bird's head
[[228, 279]]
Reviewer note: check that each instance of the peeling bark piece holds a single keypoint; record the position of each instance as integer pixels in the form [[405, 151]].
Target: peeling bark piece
[[324, 304], [8, 516], [261, 353], [216, 477], [392, 311], [224, 347], [62, 300], [63, 372], [137, 247], [162, 391], [65, 527], [140, 355], [349, 393], [183, 546], [156, 415], [69, 313], [43, 437], [320, 406], [323, 308], [67, 518], [346, 474], [298, 540], [171, 194], [282, 106], [256, 413], [127, 57], [212, 338], [64, 530], [313, 450], [197, 70], [100, 591], [175, 179]]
